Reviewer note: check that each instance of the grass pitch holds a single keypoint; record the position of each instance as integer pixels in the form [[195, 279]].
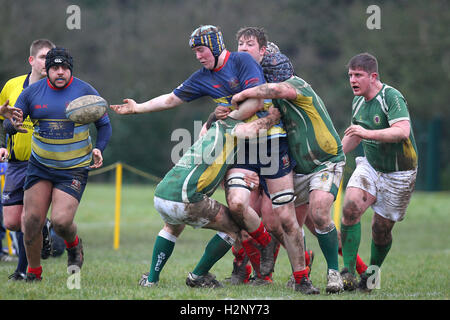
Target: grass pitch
[[416, 267]]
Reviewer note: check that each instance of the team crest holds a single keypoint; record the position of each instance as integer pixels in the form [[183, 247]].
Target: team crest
[[285, 160], [76, 185], [233, 83], [324, 176], [377, 119]]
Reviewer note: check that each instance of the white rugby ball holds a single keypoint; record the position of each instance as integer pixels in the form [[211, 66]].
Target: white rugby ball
[[86, 109]]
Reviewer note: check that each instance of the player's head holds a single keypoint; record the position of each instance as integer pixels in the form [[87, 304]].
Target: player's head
[[272, 48], [364, 61], [252, 40], [59, 66], [210, 37], [277, 67], [363, 74], [38, 51]]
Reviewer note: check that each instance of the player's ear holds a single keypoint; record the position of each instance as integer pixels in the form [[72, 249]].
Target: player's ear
[[30, 60]]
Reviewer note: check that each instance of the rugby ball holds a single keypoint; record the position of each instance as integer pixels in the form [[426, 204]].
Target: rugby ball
[[86, 109]]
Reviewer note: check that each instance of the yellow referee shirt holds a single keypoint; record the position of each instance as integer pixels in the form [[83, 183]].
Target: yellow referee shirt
[[19, 145]]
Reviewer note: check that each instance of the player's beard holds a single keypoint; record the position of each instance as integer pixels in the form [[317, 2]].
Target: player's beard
[[66, 81]]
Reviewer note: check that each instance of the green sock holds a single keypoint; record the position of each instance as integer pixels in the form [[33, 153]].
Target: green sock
[[350, 238], [162, 250], [379, 253], [329, 244], [215, 249]]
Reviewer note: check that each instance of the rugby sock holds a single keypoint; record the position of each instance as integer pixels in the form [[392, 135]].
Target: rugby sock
[[351, 238], [253, 254], [23, 262], [37, 271], [72, 244], [378, 253], [261, 235], [298, 275], [163, 248], [329, 244], [239, 255], [216, 248], [307, 258], [361, 267]]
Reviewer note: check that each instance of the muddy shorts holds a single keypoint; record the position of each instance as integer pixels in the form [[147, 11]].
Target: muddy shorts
[[71, 181], [197, 214], [327, 179], [14, 180], [392, 190]]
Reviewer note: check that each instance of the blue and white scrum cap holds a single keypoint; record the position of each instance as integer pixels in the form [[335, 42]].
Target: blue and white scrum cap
[[277, 67], [208, 36], [58, 56]]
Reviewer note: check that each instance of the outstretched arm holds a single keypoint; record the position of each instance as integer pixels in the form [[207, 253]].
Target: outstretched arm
[[160, 103]]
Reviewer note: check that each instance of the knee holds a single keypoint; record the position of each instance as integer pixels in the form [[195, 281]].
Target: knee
[[321, 222], [12, 223], [236, 205], [12, 218], [60, 225], [351, 213]]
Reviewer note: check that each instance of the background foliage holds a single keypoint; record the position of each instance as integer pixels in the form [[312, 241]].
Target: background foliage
[[139, 49]]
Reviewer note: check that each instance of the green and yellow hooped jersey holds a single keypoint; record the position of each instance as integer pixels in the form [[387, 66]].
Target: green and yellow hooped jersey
[[386, 108], [202, 168], [19, 145], [313, 140]]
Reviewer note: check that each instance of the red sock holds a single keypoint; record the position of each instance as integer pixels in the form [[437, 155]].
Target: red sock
[[37, 271], [307, 258], [72, 244], [248, 270], [360, 265], [340, 251], [298, 275], [261, 235], [253, 253], [239, 255]]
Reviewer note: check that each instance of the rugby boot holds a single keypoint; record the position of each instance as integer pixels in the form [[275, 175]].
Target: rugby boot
[[334, 284], [349, 280], [31, 277], [46, 240], [75, 257], [143, 281], [306, 287], [206, 281], [267, 259]]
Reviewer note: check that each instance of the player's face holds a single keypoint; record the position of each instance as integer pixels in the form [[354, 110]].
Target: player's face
[[251, 45], [361, 82], [37, 62], [59, 75], [205, 57]]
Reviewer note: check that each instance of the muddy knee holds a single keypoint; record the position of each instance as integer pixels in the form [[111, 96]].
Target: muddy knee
[[351, 213]]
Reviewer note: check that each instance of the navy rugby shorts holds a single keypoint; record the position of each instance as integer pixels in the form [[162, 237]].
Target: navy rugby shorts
[[71, 181], [14, 180]]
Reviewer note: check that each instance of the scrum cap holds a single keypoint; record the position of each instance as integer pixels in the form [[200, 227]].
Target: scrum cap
[[277, 67], [208, 36], [58, 56]]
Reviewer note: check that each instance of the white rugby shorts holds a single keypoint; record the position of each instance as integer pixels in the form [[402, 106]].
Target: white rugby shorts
[[327, 179], [196, 214], [392, 190]]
